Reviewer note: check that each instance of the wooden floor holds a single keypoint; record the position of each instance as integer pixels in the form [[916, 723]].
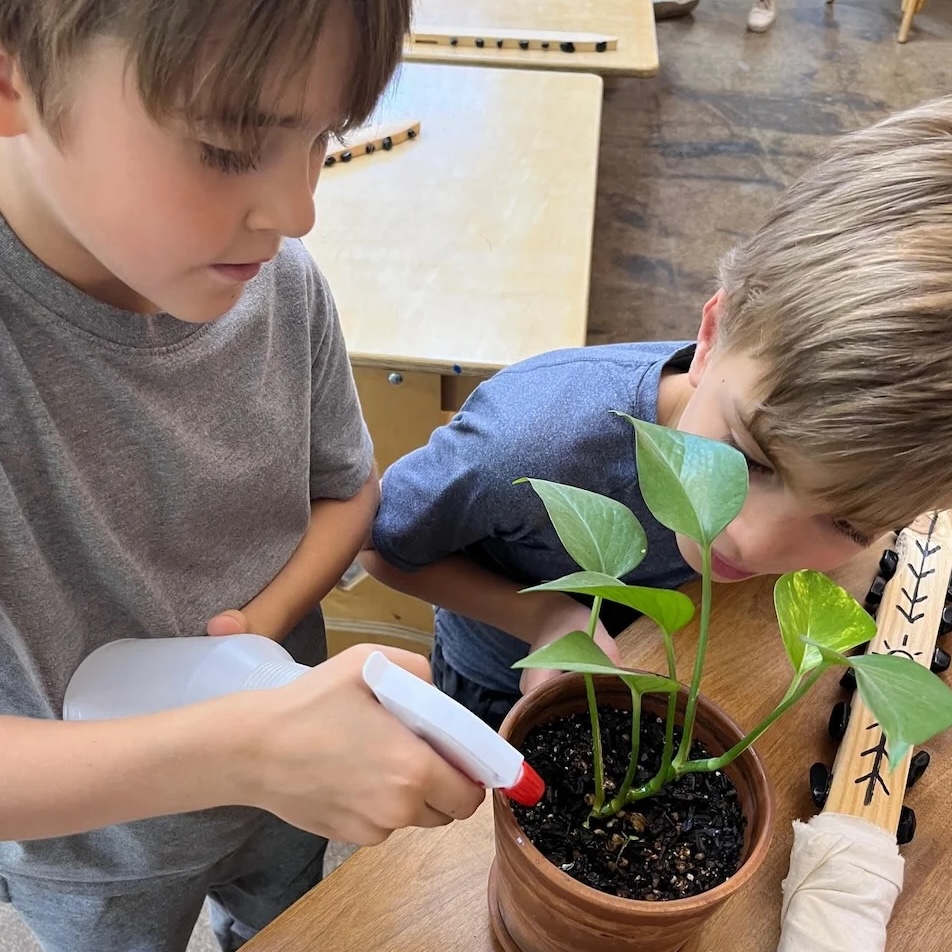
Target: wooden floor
[[691, 159]]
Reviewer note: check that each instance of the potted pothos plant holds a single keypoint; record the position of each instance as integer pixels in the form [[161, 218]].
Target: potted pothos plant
[[657, 807]]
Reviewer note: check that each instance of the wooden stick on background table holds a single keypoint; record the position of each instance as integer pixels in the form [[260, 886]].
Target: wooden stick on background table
[[630, 22], [525, 40]]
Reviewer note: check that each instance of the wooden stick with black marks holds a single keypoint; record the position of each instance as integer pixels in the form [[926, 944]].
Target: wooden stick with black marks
[[495, 38], [912, 587], [371, 139]]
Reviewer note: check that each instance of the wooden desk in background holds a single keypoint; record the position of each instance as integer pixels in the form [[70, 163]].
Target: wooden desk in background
[[426, 889], [451, 257], [632, 21]]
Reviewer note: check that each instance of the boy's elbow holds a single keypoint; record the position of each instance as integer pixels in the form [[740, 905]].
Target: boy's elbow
[[370, 560]]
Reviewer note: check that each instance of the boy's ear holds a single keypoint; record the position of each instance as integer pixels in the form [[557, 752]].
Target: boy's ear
[[13, 119], [706, 337]]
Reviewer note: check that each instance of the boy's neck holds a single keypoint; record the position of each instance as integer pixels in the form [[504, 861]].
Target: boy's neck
[[674, 391]]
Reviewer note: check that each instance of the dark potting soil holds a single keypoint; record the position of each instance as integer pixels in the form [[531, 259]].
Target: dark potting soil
[[683, 841]]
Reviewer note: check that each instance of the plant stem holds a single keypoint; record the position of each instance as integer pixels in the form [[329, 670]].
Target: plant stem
[[596, 744], [619, 801], [597, 758], [672, 707], [690, 711], [662, 776], [796, 691]]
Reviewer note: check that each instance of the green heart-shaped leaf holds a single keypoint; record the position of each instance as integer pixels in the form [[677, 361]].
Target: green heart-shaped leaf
[[577, 652], [669, 610], [599, 533], [910, 703], [691, 484], [813, 610]]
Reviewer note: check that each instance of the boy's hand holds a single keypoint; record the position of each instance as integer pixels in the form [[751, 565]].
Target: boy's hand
[[327, 757], [560, 625]]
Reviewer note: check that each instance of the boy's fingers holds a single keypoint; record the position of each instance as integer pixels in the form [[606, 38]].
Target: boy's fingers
[[231, 622], [453, 795], [409, 660]]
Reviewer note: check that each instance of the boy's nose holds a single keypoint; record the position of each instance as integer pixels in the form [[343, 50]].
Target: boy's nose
[[763, 540], [285, 203]]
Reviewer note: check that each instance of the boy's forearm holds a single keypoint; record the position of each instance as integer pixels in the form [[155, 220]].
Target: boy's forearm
[[62, 778], [460, 585], [334, 535]]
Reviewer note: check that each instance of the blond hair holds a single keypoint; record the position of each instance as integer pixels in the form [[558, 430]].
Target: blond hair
[[193, 57], [845, 295]]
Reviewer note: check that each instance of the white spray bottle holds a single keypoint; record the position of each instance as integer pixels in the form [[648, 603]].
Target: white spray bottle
[[145, 676]]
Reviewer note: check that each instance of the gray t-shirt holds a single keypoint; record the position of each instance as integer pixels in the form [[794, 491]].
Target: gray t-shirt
[[152, 473], [547, 417]]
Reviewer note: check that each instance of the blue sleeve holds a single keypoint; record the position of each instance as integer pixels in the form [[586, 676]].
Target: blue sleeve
[[458, 489]]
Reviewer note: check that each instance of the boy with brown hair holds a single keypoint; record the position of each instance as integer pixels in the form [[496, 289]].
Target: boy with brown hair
[[180, 435], [824, 357]]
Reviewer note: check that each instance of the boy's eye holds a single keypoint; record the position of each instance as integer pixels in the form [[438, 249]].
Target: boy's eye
[[753, 466], [844, 528], [227, 160]]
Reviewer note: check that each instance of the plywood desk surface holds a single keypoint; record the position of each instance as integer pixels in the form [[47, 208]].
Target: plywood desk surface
[[468, 248], [426, 890], [632, 21]]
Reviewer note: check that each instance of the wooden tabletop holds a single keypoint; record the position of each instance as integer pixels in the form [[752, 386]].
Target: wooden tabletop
[[426, 890], [631, 21], [468, 248]]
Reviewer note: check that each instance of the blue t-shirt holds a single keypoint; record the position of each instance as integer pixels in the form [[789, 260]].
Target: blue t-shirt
[[549, 417]]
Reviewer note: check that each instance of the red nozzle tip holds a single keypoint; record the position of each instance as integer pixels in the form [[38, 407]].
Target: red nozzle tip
[[528, 789]]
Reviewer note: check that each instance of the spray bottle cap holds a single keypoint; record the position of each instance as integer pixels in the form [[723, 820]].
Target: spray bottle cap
[[528, 789]]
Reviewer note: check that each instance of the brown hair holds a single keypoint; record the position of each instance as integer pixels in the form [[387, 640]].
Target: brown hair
[[192, 56], [845, 295]]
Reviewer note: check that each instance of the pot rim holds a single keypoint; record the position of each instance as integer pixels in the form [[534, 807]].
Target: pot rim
[[560, 881]]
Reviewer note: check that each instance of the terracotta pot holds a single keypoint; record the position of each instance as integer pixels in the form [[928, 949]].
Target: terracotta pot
[[535, 907]]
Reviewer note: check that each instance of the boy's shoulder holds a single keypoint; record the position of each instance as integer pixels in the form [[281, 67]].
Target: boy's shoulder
[[295, 272], [617, 368], [574, 383], [553, 413]]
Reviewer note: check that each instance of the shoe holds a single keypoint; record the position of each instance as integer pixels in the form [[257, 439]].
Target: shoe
[[666, 9], [761, 16]]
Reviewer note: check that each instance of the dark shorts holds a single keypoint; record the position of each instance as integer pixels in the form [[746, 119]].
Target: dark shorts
[[490, 706]]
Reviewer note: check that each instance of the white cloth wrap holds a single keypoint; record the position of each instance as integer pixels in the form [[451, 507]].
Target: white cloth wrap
[[845, 875]]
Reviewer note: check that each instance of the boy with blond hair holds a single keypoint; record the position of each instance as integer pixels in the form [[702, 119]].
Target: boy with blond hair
[[824, 357], [181, 449]]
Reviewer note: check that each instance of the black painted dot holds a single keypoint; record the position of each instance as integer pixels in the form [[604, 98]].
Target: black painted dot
[[545, 44], [346, 156], [370, 148], [454, 41], [567, 47], [480, 42], [499, 44], [411, 133], [387, 144], [523, 44], [329, 161], [601, 46]]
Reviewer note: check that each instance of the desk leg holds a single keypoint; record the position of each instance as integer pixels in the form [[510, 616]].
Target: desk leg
[[402, 410]]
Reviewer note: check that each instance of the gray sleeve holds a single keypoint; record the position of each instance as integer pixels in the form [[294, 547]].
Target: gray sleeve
[[341, 449]]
